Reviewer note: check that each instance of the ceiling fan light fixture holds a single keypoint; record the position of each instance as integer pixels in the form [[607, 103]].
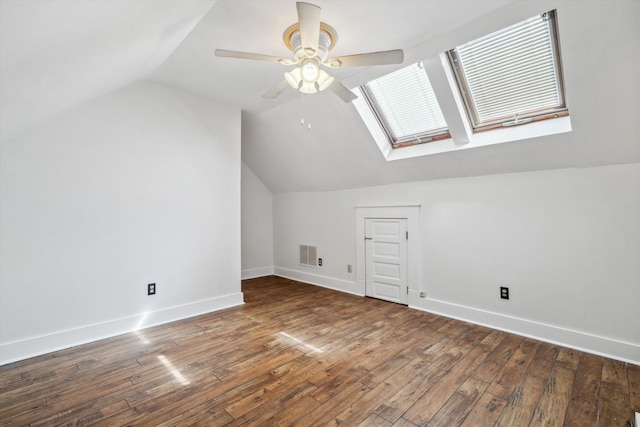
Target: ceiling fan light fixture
[[295, 80], [299, 81]]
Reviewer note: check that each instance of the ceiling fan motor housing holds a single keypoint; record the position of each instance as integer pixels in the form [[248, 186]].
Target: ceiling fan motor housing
[[327, 40]]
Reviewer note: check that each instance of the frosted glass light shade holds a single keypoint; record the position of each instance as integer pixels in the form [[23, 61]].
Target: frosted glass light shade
[[310, 72], [308, 87], [324, 80], [294, 78]]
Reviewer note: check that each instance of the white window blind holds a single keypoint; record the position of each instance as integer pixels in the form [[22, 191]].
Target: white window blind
[[511, 72], [405, 104]]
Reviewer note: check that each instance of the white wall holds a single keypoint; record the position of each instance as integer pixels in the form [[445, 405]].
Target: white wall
[[140, 186], [566, 242], [257, 226]]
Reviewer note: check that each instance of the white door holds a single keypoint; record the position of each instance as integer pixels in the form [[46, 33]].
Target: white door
[[386, 259]]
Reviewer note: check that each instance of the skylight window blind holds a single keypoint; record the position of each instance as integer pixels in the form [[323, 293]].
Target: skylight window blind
[[405, 104], [512, 72]]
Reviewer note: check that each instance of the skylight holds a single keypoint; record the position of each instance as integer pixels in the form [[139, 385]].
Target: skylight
[[406, 106], [495, 83], [513, 75]]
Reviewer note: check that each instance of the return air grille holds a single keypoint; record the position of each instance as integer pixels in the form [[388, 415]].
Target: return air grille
[[309, 255]]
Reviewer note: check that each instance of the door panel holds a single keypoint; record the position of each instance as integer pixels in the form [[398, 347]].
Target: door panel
[[386, 259], [386, 249], [387, 292], [387, 270]]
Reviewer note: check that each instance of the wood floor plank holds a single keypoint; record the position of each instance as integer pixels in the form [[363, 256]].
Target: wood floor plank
[[104, 396], [429, 403], [456, 409], [374, 421], [89, 382], [509, 376], [217, 398], [634, 387], [334, 379], [165, 398], [494, 362], [583, 406], [552, 405], [395, 406], [201, 417], [328, 410], [302, 355], [371, 400], [615, 408], [485, 412], [292, 411], [615, 374], [522, 402], [403, 422], [35, 385], [389, 367], [70, 417], [258, 414], [568, 358], [543, 361], [26, 408]]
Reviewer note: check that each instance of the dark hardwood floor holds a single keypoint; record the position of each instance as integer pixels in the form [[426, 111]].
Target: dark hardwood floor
[[297, 354]]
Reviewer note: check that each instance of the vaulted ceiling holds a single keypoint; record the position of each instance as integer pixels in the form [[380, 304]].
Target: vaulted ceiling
[[58, 54]]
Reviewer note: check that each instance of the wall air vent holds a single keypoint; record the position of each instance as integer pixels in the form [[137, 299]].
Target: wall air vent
[[309, 255]]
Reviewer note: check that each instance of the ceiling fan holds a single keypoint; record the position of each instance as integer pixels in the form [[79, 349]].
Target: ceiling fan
[[311, 41]]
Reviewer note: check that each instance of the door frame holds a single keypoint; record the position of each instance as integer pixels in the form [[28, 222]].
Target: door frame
[[409, 212]]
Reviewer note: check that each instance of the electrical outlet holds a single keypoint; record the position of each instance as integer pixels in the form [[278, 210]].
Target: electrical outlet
[[151, 289], [504, 292], [348, 268], [319, 262]]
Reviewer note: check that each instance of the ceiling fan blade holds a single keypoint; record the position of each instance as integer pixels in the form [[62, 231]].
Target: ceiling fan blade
[[365, 59], [309, 20], [255, 56], [341, 90], [275, 91]]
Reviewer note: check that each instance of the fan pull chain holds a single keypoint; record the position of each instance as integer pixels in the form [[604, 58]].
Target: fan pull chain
[[302, 112]]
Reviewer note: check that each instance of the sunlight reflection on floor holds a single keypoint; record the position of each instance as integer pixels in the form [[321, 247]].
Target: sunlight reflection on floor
[[296, 340], [178, 376]]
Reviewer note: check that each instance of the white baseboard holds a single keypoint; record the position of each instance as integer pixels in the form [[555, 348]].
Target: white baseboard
[[23, 349], [590, 343], [350, 287], [614, 349], [252, 273], [583, 341]]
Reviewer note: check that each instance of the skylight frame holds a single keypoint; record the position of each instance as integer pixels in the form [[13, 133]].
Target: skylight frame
[[520, 117], [428, 135]]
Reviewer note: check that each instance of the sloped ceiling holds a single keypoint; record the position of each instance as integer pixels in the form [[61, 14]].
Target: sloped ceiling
[[58, 54], [603, 99]]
